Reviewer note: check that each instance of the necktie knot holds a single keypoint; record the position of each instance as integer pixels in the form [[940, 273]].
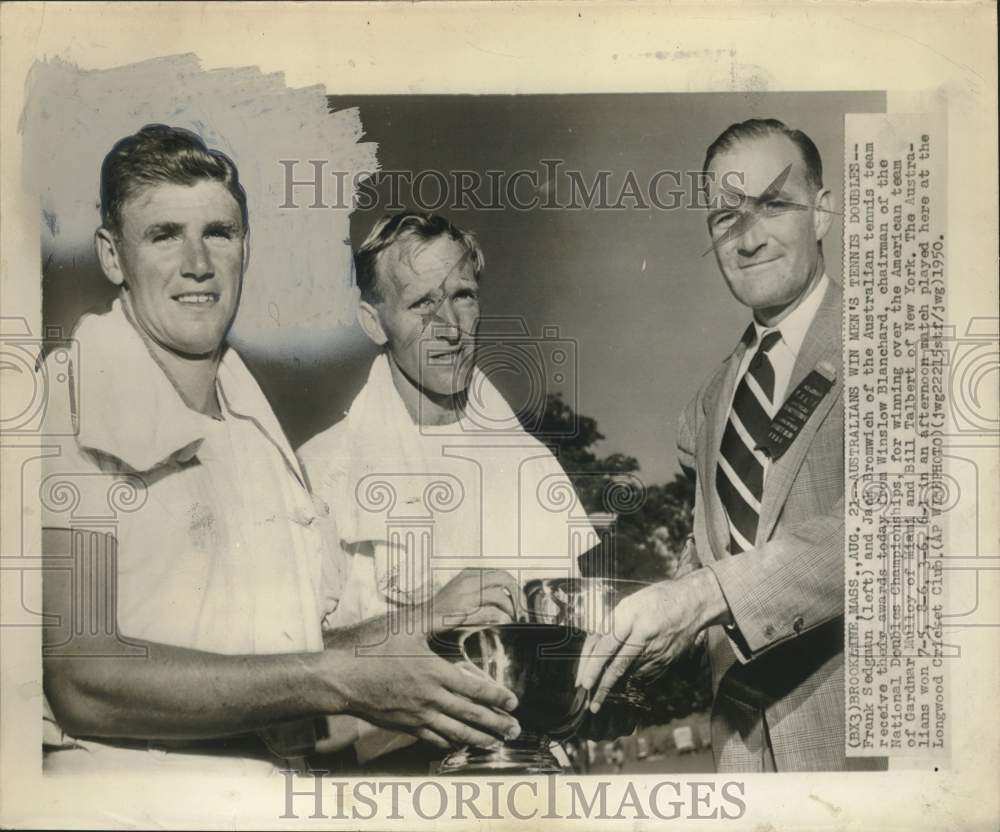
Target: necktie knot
[[769, 340]]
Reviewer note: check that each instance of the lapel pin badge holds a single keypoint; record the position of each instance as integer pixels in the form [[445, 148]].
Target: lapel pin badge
[[827, 370]]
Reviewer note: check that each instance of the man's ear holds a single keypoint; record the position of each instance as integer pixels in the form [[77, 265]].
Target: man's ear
[[109, 257], [371, 323], [822, 213]]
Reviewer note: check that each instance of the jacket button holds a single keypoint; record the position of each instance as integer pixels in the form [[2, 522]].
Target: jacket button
[[769, 631], [798, 624]]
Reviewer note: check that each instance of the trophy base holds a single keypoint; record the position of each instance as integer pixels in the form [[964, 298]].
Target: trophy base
[[528, 754]]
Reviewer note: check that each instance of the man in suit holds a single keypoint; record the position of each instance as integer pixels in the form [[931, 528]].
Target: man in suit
[[765, 437]]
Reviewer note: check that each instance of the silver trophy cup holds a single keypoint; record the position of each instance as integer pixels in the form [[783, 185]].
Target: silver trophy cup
[[538, 660]]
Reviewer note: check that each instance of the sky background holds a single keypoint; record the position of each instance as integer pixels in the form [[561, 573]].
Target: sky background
[[645, 314]]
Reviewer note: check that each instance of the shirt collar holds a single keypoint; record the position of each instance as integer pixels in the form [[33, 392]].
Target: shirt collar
[[794, 327], [128, 408]]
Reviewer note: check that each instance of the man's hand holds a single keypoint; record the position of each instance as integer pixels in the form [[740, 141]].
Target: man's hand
[[651, 629], [400, 683], [478, 596]]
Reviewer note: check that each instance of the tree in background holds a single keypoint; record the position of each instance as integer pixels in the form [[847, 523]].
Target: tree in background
[[653, 520]]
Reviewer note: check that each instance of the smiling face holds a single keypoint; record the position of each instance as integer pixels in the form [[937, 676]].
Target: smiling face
[[772, 260], [180, 257], [429, 313]]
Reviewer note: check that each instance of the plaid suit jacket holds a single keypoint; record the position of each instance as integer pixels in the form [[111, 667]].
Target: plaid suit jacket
[[778, 674]]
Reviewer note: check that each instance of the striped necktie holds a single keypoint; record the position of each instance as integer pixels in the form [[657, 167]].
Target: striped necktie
[[740, 475]]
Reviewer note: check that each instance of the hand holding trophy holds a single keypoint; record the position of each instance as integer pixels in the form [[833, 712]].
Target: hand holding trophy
[[540, 661]]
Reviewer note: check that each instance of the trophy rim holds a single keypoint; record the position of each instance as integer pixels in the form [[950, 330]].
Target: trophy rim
[[463, 631], [536, 582]]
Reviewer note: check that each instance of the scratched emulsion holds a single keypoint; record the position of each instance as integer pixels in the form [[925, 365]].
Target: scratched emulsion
[[298, 294]]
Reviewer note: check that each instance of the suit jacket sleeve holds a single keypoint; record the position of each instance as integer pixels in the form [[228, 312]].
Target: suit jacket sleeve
[[787, 586]]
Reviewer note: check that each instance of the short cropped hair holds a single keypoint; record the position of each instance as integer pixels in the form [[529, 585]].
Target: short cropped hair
[[159, 154], [403, 227], [760, 128]]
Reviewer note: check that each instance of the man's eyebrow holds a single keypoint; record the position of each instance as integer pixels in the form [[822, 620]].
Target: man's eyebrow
[[743, 201], [223, 225], [781, 196], [162, 228], [430, 294], [716, 212]]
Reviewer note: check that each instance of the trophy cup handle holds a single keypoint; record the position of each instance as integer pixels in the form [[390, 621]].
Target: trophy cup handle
[[492, 655]]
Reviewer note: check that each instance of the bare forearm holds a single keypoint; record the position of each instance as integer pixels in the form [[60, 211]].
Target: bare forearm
[[101, 685], [178, 693]]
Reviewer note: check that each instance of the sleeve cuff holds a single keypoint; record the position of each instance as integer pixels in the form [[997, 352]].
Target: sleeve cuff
[[740, 646], [753, 629]]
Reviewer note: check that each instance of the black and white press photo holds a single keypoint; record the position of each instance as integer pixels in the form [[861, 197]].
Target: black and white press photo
[[399, 445]]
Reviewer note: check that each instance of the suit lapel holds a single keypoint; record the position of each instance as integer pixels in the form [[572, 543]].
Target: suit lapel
[[717, 398], [822, 344]]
